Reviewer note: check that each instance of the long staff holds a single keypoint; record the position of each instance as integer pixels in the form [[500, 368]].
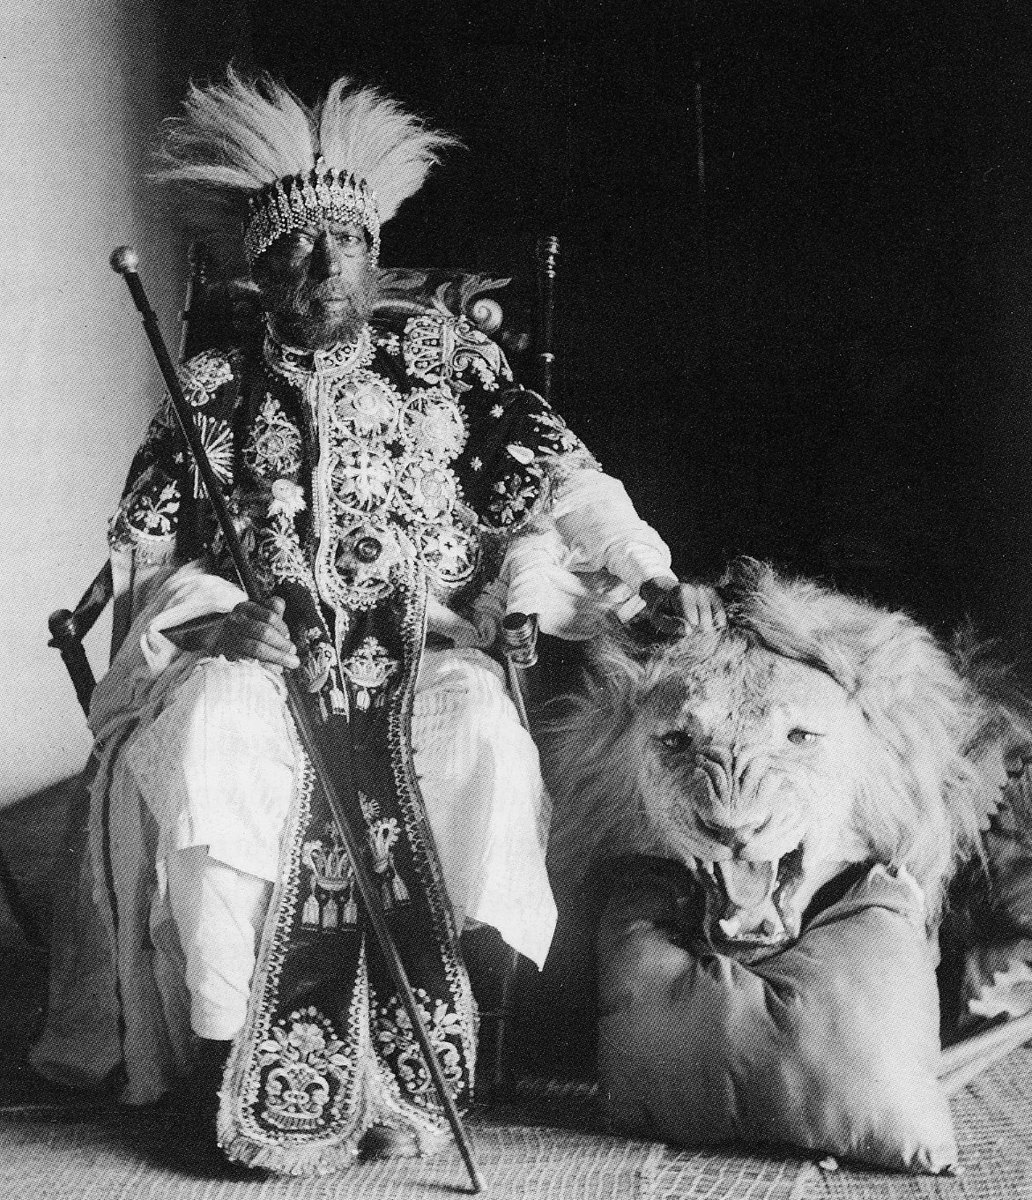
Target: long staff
[[125, 261], [548, 257]]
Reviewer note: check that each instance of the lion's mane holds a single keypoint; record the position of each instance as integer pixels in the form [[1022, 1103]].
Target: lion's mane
[[918, 791]]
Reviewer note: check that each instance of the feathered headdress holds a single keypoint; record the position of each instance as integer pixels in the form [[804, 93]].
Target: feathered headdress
[[251, 159]]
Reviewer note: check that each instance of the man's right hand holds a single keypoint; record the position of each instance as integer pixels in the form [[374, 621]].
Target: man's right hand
[[258, 632]]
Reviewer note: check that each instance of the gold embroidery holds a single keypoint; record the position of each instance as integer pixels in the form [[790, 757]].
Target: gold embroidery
[[203, 375], [274, 446], [441, 349], [309, 1064], [368, 669], [397, 1043]]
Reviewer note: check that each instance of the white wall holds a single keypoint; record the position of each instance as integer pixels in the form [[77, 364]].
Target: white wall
[[82, 89]]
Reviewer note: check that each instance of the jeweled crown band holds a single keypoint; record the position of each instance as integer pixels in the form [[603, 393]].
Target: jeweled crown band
[[296, 200]]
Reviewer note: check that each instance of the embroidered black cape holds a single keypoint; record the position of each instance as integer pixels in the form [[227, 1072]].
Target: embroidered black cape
[[364, 480]]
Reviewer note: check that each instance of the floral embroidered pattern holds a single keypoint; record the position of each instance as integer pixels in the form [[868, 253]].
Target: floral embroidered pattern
[[274, 447], [284, 557], [555, 434], [425, 491], [366, 405], [368, 669], [309, 1069], [146, 519], [264, 521], [396, 1042], [385, 463], [287, 499], [362, 478], [451, 552], [515, 495], [432, 421], [203, 375], [152, 510]]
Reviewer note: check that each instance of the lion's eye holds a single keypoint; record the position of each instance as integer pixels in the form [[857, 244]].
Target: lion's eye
[[802, 737], [676, 739]]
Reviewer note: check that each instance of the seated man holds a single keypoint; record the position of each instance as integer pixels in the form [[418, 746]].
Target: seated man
[[396, 493]]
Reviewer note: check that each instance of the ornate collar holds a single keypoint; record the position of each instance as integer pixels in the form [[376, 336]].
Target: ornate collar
[[330, 361]]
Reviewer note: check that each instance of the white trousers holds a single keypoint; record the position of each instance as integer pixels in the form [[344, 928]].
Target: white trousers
[[216, 768]]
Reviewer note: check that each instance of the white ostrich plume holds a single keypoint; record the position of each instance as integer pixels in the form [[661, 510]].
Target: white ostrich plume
[[238, 139]]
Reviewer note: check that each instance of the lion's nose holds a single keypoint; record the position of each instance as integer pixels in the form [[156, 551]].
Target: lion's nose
[[737, 837], [719, 764]]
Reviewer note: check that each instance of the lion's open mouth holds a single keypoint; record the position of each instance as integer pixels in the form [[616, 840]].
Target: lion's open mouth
[[748, 903]]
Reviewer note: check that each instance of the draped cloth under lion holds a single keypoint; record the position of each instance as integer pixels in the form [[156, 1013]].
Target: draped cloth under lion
[[377, 487]]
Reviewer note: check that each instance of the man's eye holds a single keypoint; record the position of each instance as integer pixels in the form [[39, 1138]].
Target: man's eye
[[802, 737], [677, 740]]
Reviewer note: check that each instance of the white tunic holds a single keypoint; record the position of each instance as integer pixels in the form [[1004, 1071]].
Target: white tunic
[[198, 752]]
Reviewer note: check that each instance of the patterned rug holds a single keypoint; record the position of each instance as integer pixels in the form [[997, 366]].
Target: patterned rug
[[49, 1153]]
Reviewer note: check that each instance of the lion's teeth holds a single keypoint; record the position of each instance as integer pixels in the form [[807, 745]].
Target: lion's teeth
[[732, 927]]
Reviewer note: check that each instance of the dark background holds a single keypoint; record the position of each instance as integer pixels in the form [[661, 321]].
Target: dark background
[[817, 352]]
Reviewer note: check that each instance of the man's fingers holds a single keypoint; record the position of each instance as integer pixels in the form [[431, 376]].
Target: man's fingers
[[699, 606], [260, 633], [703, 610], [253, 620], [264, 653], [276, 636], [684, 603], [715, 613], [691, 605]]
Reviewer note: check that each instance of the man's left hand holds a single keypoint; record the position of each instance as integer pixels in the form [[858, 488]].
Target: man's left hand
[[671, 606]]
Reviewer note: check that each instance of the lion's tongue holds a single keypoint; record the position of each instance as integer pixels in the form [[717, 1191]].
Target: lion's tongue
[[748, 884]]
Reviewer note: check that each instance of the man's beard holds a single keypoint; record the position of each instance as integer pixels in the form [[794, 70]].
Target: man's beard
[[324, 314]]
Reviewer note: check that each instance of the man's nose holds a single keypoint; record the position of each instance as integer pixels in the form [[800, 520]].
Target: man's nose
[[327, 257]]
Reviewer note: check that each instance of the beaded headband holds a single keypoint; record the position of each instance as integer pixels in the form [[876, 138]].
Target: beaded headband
[[296, 200]]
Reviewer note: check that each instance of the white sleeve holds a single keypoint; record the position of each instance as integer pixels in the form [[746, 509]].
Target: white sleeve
[[596, 519]]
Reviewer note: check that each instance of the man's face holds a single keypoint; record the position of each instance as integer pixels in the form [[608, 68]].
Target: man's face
[[317, 283]]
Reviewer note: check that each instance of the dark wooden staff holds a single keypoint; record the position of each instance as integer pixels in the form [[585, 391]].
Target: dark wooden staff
[[548, 258], [124, 261]]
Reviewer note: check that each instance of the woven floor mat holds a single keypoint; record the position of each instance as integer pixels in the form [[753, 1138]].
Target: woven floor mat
[[993, 1119], [89, 1157], [104, 1155]]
